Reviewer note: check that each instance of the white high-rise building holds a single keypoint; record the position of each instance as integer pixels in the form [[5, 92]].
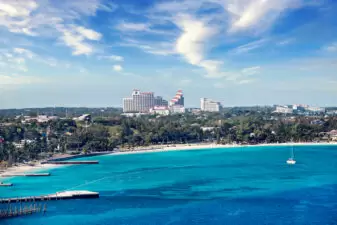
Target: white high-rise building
[[208, 105], [284, 109], [141, 102]]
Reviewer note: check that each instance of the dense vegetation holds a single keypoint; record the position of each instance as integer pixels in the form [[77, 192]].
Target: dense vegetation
[[114, 131]]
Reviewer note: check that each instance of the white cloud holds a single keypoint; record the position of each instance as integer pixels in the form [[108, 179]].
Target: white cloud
[[246, 81], [285, 42], [116, 58], [331, 47], [256, 14], [17, 60], [155, 48], [251, 70], [117, 68], [108, 7], [17, 8], [249, 47], [76, 37], [112, 57], [15, 15], [132, 26], [32, 17], [193, 40], [24, 52], [89, 34]]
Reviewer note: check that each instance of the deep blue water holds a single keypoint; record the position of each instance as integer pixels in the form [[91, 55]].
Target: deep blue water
[[249, 185]]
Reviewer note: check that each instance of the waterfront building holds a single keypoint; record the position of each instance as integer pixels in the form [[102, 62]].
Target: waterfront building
[[208, 105]]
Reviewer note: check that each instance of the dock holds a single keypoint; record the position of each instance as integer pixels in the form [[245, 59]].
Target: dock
[[22, 210], [26, 175], [57, 196], [70, 162]]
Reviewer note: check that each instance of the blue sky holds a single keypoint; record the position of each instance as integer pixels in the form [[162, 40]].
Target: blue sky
[[240, 52]]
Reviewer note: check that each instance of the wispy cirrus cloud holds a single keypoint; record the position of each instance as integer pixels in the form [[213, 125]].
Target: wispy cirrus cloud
[[249, 46], [54, 18], [330, 47], [112, 57], [124, 26], [77, 37], [25, 52], [251, 70]]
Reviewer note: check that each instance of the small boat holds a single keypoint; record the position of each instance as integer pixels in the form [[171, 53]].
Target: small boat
[[291, 160]]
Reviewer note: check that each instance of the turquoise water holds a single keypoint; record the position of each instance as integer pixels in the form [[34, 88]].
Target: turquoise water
[[249, 185]]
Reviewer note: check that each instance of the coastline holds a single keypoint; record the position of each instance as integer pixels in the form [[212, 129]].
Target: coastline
[[24, 168], [183, 147]]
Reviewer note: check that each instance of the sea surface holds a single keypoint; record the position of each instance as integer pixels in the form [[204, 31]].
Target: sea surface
[[248, 185]]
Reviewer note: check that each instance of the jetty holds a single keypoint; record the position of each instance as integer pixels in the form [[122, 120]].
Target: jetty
[[57, 196], [70, 162], [21, 210], [5, 184], [25, 175]]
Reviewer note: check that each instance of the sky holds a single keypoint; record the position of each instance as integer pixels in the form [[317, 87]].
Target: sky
[[92, 53]]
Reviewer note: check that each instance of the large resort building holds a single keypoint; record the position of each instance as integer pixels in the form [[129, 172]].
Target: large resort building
[[208, 105], [142, 102]]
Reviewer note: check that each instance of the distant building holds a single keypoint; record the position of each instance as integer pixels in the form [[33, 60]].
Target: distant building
[[84, 117], [133, 114], [208, 105], [207, 128], [159, 101], [176, 104], [142, 102], [21, 144], [177, 109], [39, 119], [178, 99], [283, 109], [160, 110], [316, 109]]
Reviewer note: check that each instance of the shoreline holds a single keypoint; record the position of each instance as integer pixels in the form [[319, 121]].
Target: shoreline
[[25, 168], [183, 147]]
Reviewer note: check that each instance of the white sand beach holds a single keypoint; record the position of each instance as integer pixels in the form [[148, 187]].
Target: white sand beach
[[24, 169], [199, 146]]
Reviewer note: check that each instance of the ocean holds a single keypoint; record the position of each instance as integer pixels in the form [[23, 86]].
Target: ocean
[[246, 185]]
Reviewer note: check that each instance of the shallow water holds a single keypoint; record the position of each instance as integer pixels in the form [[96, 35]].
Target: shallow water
[[249, 185]]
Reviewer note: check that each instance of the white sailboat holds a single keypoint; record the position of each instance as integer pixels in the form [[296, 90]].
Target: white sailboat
[[291, 160]]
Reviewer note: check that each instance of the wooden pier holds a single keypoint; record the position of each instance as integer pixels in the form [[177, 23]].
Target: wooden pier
[[21, 209], [56, 196], [26, 175], [70, 162]]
